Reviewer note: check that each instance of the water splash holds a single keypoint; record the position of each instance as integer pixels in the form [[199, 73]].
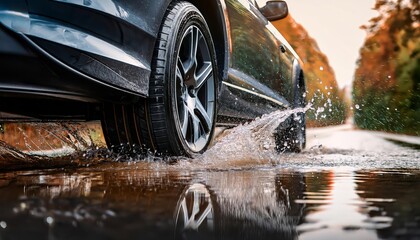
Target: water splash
[[58, 143], [37, 145], [248, 144]]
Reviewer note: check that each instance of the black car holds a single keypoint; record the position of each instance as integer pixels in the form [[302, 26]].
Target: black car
[[157, 73]]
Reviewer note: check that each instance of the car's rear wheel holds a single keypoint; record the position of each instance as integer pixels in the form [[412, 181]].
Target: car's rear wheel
[[178, 118], [291, 134]]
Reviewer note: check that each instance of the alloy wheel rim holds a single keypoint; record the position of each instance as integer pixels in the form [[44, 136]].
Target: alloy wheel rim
[[195, 209], [195, 89]]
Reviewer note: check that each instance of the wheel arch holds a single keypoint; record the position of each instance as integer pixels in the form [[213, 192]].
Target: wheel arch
[[299, 85]]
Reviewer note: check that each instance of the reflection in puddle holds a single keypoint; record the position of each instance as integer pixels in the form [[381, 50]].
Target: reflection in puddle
[[194, 213], [338, 208], [119, 201]]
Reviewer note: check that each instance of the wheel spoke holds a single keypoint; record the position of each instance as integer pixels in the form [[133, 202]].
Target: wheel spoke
[[180, 69], [184, 126], [203, 115], [194, 45], [204, 215], [185, 211], [196, 205], [204, 73], [196, 129]]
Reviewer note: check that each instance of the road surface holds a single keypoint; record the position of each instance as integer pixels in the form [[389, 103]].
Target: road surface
[[347, 184]]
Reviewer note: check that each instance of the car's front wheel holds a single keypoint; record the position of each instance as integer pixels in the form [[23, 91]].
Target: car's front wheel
[[178, 118]]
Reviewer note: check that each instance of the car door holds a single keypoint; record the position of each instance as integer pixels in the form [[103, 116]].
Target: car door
[[260, 67]]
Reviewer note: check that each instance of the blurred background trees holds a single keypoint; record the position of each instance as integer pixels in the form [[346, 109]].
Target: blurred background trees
[[386, 89], [328, 101]]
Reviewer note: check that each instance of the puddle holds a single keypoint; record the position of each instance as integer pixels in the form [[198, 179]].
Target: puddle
[[121, 200]]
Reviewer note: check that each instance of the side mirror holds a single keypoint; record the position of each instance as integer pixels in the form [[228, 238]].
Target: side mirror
[[275, 10]]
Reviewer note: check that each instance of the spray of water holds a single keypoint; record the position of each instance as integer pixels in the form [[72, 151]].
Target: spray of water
[[37, 145], [245, 145], [248, 144]]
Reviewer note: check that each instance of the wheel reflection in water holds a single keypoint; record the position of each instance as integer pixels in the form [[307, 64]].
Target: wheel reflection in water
[[194, 214]]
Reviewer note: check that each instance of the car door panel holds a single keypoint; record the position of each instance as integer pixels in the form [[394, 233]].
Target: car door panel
[[259, 73]]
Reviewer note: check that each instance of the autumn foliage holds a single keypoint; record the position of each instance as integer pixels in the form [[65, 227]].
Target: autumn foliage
[[386, 89], [328, 106]]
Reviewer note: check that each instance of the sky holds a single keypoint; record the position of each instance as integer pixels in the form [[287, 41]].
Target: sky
[[334, 24]]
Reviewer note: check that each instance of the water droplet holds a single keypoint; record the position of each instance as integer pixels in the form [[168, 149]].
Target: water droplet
[[266, 146], [320, 110], [357, 106], [321, 68], [50, 220], [22, 206], [3, 224]]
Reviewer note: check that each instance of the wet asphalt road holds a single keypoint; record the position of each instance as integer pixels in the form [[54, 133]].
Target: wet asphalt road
[[347, 184]]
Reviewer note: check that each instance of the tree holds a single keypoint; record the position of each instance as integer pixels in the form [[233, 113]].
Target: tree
[[386, 86]]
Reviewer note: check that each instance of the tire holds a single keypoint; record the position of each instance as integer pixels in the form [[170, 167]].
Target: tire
[[179, 116], [291, 134], [298, 131]]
